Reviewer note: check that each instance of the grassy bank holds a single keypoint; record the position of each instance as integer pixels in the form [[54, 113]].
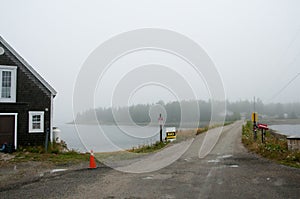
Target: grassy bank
[[274, 148], [149, 148], [70, 157], [57, 154]]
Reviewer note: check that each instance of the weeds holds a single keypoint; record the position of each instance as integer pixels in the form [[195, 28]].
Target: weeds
[[273, 148], [58, 153], [149, 148], [201, 130]]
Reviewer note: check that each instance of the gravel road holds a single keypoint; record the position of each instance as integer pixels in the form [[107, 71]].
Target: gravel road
[[228, 171]]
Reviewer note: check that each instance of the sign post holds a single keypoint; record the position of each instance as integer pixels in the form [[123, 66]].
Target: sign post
[[254, 118], [160, 122]]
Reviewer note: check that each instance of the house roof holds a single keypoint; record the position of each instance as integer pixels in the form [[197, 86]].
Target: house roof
[[28, 66]]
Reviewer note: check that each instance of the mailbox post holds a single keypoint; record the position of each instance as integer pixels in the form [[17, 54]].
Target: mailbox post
[[263, 128]]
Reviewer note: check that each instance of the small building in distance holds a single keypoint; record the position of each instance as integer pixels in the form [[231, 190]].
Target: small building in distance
[[293, 142], [26, 101]]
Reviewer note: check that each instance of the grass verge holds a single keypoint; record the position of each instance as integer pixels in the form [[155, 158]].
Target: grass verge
[[70, 157], [274, 148], [57, 154], [149, 148]]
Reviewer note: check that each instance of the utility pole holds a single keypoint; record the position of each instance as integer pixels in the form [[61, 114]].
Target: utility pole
[[254, 104]]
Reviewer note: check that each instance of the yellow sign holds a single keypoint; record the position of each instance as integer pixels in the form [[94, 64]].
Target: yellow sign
[[171, 133], [254, 117]]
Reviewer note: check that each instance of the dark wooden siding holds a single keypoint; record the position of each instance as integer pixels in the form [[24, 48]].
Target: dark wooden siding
[[31, 96]]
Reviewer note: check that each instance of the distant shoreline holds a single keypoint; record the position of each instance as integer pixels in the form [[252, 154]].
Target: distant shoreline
[[281, 121], [184, 125]]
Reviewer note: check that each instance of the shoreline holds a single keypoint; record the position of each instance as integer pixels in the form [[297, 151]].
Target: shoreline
[[184, 125], [281, 122], [271, 122]]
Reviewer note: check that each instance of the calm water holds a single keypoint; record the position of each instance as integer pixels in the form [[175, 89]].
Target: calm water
[[107, 138], [287, 129]]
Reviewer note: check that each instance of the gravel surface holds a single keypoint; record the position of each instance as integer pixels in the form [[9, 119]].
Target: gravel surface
[[16, 174], [228, 171]]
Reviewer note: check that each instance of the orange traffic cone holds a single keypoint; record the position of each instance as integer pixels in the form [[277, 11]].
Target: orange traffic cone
[[92, 161]]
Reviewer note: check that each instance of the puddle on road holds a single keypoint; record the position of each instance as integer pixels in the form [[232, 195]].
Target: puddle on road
[[213, 161], [148, 178], [233, 166], [226, 156], [220, 157], [158, 177], [57, 170]]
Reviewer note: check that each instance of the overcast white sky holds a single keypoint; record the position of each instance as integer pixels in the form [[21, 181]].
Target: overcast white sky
[[255, 45]]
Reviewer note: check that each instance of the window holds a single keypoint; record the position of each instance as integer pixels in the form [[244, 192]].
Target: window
[[36, 121], [8, 83]]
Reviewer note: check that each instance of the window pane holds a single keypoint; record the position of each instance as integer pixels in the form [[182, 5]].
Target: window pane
[[36, 121], [36, 125], [36, 118], [6, 84]]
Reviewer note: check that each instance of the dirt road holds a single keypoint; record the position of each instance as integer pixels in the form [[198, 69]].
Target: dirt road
[[228, 171]]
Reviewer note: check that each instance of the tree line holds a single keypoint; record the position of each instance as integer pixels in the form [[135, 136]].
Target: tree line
[[139, 113]]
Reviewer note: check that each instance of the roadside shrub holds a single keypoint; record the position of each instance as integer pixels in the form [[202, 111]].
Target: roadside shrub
[[52, 148], [275, 146], [31, 149], [201, 130], [149, 148], [58, 147]]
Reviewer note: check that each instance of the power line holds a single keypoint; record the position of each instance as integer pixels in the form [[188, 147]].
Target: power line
[[279, 62], [283, 88]]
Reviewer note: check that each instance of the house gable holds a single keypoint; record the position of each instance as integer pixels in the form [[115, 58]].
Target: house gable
[[11, 57], [33, 95]]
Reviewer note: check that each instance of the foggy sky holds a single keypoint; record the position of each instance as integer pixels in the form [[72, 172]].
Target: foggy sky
[[255, 45]]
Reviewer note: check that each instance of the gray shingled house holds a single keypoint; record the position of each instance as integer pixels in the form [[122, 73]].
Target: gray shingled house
[[26, 101]]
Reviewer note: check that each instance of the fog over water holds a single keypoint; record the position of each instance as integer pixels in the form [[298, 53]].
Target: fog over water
[[254, 45]]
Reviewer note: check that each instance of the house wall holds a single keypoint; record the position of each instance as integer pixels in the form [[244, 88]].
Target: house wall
[[31, 96]]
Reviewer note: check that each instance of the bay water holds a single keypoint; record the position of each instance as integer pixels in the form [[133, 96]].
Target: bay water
[[107, 138], [287, 129]]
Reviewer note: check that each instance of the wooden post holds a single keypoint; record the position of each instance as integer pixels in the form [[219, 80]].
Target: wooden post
[[262, 135], [160, 121], [160, 132], [46, 140], [254, 126], [254, 121]]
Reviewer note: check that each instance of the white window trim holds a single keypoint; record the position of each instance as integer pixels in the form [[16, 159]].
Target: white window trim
[[13, 70], [31, 114]]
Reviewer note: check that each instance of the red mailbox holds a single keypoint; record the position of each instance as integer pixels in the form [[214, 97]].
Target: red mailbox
[[263, 126]]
